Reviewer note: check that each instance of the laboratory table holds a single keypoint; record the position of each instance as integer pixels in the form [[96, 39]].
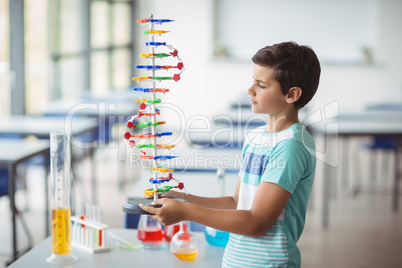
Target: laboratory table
[[42, 126], [106, 111], [209, 256], [116, 107], [387, 124], [12, 153]]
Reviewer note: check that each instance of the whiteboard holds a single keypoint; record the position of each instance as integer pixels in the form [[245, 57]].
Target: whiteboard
[[336, 29]]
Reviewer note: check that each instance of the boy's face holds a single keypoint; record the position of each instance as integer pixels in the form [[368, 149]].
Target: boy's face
[[265, 92]]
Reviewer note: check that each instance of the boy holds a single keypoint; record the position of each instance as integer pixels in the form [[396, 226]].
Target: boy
[[266, 215]]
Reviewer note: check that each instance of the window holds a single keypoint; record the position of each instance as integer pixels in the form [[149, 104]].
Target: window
[[112, 44], [36, 55], [70, 47], [5, 97], [92, 47]]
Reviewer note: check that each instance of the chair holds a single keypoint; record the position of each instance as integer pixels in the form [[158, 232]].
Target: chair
[[381, 143], [21, 172], [3, 182], [131, 220], [3, 192]]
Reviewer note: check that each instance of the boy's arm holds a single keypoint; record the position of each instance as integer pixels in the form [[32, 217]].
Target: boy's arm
[[224, 202], [269, 202]]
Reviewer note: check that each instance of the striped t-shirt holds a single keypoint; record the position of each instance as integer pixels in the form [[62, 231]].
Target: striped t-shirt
[[286, 158]]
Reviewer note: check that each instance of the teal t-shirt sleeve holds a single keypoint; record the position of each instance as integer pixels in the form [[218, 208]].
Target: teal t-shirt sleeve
[[287, 165]]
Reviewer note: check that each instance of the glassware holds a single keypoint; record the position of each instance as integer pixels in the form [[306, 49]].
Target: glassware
[[213, 236], [150, 233], [171, 230], [216, 237], [184, 245], [60, 157]]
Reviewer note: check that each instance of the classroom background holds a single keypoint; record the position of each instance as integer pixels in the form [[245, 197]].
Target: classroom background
[[77, 57]]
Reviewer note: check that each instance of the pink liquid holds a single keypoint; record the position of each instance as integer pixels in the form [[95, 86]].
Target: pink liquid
[[171, 230], [149, 234]]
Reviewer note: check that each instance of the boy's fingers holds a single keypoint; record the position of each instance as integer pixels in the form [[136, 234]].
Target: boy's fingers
[[148, 208], [158, 202]]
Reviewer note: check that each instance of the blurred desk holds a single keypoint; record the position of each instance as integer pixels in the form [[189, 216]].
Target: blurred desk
[[42, 126], [114, 108], [12, 153], [93, 107], [360, 124], [209, 256], [107, 111]]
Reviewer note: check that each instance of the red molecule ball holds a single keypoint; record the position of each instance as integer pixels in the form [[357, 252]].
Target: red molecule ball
[[130, 124], [143, 106], [127, 135], [131, 143], [174, 53], [180, 185], [176, 77]]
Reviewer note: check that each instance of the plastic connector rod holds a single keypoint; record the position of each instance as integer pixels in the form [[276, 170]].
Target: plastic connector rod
[[155, 43]]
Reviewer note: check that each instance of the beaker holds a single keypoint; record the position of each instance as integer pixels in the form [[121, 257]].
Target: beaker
[[214, 236], [60, 162], [184, 245], [150, 233]]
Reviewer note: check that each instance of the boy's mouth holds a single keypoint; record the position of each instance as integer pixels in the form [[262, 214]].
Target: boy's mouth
[[253, 102]]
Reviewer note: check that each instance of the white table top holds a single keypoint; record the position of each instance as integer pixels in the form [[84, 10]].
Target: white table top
[[209, 256], [92, 107], [360, 123], [42, 126], [13, 151]]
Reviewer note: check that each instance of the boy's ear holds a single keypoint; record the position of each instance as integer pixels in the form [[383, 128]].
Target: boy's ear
[[293, 95]]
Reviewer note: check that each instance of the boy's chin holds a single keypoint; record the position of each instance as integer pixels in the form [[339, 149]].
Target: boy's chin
[[257, 111]]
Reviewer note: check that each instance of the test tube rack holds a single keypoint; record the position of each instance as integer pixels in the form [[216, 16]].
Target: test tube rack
[[87, 230], [148, 141]]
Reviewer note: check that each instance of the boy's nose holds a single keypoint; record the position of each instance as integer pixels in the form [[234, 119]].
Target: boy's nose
[[250, 91]]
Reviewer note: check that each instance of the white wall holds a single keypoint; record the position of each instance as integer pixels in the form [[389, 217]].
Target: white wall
[[208, 86], [357, 86]]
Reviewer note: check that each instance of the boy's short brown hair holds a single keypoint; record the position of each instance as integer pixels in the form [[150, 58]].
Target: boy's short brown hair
[[294, 66]]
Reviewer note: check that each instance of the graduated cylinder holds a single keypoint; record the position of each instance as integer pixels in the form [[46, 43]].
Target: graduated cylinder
[[60, 162]]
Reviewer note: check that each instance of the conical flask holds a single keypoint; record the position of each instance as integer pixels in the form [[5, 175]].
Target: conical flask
[[60, 157], [184, 245], [150, 233]]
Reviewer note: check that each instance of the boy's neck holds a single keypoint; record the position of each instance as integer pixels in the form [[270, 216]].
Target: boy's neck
[[279, 122]]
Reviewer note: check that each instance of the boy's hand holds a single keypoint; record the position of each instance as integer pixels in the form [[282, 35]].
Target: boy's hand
[[172, 211]]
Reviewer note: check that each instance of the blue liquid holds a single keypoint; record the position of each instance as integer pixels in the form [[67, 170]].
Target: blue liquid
[[216, 237]]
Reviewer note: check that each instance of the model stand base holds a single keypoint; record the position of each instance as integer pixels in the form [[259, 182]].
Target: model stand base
[[132, 205]]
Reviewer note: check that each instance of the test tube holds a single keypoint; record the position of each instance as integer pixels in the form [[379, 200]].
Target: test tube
[[99, 219], [60, 157]]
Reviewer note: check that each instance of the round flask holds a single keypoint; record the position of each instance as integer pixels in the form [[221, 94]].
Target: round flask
[[184, 245]]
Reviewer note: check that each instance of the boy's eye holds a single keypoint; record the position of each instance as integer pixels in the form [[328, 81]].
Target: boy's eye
[[259, 84]]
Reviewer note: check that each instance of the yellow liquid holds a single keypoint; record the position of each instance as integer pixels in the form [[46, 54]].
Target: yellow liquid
[[61, 231], [186, 254]]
